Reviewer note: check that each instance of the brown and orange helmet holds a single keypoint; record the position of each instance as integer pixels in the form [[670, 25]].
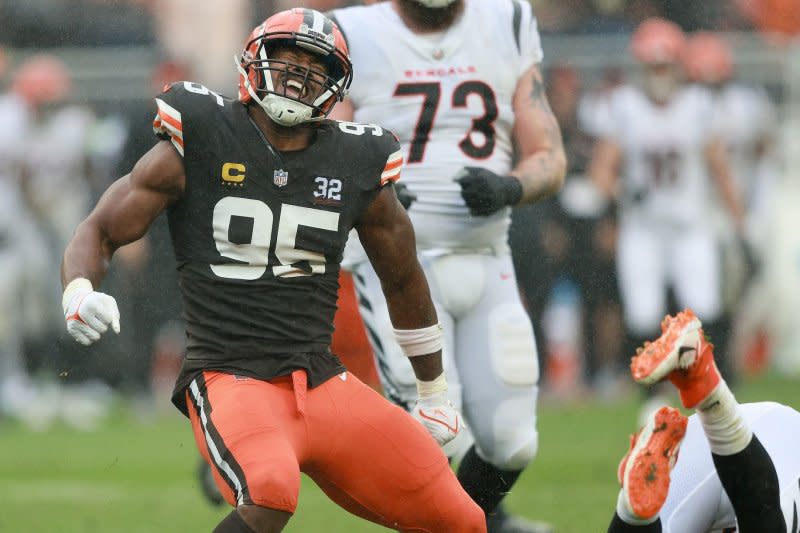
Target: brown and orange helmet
[[308, 30]]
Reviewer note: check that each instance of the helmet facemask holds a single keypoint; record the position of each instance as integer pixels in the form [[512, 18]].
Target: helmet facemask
[[288, 92]]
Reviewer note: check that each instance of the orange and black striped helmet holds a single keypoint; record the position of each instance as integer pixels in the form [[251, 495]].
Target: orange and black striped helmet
[[308, 30]]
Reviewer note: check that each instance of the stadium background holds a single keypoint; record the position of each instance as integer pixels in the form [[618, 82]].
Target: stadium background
[[88, 441]]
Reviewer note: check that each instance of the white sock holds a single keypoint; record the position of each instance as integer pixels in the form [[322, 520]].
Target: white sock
[[725, 427], [627, 515]]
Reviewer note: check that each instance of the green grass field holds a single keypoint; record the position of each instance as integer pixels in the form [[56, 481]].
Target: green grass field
[[132, 477]]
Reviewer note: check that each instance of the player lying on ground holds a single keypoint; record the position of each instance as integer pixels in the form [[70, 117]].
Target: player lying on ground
[[261, 193], [739, 465]]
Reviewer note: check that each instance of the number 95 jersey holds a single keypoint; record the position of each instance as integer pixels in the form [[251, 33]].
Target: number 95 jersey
[[448, 96], [258, 235]]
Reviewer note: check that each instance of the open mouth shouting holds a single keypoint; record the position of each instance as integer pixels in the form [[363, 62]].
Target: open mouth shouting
[[294, 88]]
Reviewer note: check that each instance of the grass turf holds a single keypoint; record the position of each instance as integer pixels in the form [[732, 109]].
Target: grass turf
[[130, 477]]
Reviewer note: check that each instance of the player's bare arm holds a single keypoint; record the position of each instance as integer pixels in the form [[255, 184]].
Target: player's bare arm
[[605, 166], [388, 238], [720, 170], [121, 216], [542, 164], [124, 213]]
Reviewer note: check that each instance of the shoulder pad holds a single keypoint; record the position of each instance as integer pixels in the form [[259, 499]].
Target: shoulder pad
[[175, 103], [380, 148]]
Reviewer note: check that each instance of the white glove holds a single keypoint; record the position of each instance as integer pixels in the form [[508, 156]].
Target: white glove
[[88, 313], [434, 411]]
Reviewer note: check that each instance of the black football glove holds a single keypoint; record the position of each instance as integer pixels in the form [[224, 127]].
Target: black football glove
[[405, 196], [486, 192]]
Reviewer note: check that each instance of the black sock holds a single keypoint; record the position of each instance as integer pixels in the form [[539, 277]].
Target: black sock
[[485, 483], [750, 480], [718, 333], [618, 525], [233, 523], [495, 520]]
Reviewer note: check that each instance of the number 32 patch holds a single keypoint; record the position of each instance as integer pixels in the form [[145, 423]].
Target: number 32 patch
[[328, 189]]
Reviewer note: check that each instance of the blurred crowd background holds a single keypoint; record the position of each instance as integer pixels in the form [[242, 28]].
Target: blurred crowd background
[[77, 80]]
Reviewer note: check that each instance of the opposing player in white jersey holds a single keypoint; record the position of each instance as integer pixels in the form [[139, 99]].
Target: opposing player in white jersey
[[738, 469], [459, 82], [747, 120], [661, 159]]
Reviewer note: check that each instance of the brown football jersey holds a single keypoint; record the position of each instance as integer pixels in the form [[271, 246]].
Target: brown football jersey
[[259, 234]]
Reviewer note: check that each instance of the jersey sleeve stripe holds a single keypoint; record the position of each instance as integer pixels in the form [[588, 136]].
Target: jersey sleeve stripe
[[160, 129], [174, 124], [394, 157], [168, 121], [390, 175], [391, 171], [393, 165], [170, 115]]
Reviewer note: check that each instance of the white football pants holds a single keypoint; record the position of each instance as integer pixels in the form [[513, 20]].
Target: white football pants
[[651, 258], [697, 502], [489, 350]]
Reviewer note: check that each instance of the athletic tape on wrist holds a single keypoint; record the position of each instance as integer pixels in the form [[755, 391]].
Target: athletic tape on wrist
[[71, 288], [422, 341], [426, 389]]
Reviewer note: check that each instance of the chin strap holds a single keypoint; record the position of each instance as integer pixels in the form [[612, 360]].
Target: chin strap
[[302, 112]]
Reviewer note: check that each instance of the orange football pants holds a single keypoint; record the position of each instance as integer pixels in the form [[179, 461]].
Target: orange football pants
[[369, 456]]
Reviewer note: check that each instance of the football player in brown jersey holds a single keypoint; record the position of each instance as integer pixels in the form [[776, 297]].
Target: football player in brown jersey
[[261, 193]]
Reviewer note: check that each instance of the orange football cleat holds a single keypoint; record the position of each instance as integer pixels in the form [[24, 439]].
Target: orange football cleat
[[681, 354], [644, 471]]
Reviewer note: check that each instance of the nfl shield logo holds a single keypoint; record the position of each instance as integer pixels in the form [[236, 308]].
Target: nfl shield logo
[[280, 177]]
